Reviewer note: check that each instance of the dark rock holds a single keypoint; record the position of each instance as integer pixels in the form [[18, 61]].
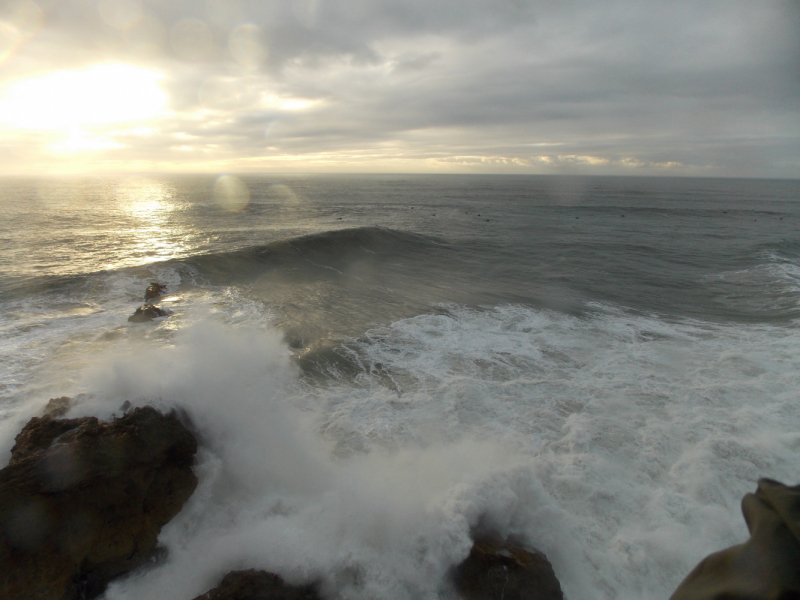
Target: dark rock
[[82, 502], [767, 566], [496, 569], [257, 585], [154, 290], [147, 312], [58, 407]]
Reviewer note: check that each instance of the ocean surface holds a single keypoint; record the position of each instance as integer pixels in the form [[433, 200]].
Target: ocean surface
[[378, 365]]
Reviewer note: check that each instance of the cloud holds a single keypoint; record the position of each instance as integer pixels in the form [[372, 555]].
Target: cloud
[[639, 86]]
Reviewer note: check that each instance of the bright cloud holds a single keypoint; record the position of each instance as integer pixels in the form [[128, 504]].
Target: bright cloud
[[684, 87], [99, 95]]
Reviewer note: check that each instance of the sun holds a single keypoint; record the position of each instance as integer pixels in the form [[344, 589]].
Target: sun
[[75, 100]]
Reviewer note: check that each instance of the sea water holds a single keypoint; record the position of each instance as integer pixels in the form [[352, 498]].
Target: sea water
[[379, 366]]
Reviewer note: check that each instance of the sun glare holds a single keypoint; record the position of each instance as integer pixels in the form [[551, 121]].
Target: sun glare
[[78, 141], [99, 95]]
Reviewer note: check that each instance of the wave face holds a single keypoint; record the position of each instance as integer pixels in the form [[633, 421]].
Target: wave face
[[378, 365], [704, 248], [333, 250]]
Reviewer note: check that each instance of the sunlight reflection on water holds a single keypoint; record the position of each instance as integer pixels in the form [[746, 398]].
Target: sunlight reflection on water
[[152, 233]]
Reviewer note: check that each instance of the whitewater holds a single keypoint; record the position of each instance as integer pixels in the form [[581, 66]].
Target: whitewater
[[379, 366]]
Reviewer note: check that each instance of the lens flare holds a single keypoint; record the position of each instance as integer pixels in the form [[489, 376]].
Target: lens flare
[[231, 193], [18, 22]]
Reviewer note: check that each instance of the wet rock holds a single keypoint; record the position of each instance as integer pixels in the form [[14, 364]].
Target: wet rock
[[82, 502], [58, 407], [494, 570], [257, 585], [765, 567], [499, 570], [154, 290], [147, 312]]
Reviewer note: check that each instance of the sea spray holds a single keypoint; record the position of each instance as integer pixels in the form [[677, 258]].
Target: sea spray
[[527, 422], [387, 523], [646, 431]]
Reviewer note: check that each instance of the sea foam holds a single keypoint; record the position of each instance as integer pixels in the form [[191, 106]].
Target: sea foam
[[645, 431], [619, 444], [273, 494]]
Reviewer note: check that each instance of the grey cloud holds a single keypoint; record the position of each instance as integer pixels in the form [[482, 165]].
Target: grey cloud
[[334, 27], [415, 62], [712, 84]]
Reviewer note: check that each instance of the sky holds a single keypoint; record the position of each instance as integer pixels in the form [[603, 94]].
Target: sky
[[679, 88]]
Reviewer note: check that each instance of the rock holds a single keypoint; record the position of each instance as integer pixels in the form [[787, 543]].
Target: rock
[[154, 290], [82, 502], [765, 567], [498, 570], [494, 570], [58, 407], [147, 312], [257, 585]]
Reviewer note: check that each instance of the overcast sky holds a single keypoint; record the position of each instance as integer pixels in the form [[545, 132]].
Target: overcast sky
[[700, 87]]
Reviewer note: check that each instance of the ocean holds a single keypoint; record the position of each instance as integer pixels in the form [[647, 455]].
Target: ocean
[[379, 365]]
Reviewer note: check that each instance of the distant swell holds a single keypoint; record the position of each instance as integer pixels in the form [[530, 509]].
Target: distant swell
[[329, 248], [343, 241]]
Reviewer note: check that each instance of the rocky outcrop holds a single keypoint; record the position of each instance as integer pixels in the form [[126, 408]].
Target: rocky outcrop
[[82, 502], [147, 312], [767, 566], [499, 570], [257, 585], [58, 407], [154, 290], [494, 570]]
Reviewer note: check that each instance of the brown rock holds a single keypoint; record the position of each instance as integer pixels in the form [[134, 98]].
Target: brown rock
[[58, 407], [257, 585], [82, 502], [154, 290], [147, 312], [765, 567], [496, 569]]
